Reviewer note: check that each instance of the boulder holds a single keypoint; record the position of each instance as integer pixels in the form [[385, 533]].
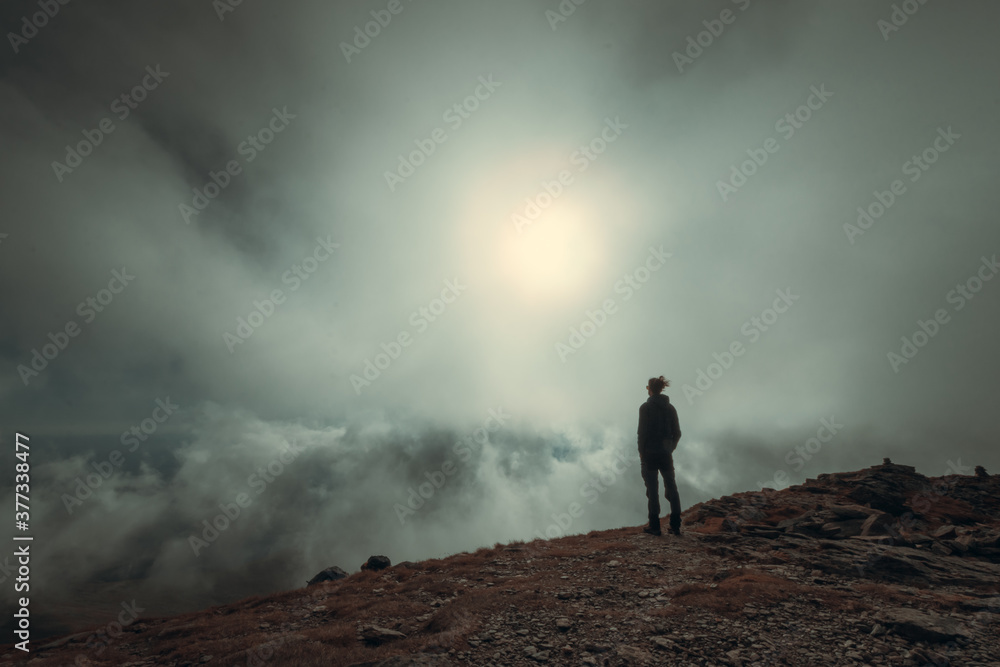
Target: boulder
[[374, 635], [376, 563], [329, 574]]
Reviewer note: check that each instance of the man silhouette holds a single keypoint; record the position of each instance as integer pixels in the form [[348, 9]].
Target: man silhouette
[[658, 434]]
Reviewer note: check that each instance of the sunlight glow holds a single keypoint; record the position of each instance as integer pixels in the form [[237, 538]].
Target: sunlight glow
[[532, 258], [554, 256]]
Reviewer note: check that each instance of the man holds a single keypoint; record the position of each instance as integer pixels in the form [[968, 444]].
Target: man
[[659, 432]]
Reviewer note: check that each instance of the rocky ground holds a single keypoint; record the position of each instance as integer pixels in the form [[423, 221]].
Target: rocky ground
[[877, 567]]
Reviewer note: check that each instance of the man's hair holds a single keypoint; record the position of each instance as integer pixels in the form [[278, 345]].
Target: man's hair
[[657, 384]]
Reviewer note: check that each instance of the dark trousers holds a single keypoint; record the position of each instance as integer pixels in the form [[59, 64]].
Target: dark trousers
[[653, 465]]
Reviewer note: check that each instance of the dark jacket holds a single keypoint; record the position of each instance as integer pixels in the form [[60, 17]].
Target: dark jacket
[[658, 424]]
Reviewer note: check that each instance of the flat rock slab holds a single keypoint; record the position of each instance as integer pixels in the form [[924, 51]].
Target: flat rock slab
[[983, 604], [374, 635], [329, 574], [854, 557], [919, 626]]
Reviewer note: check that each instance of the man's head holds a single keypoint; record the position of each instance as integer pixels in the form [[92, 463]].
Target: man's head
[[656, 385]]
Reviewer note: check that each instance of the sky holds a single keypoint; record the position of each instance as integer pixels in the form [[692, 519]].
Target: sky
[[286, 286]]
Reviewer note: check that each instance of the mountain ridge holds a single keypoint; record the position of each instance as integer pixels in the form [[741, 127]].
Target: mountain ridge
[[880, 566]]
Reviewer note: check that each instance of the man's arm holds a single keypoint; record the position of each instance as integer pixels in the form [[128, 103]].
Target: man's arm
[[677, 424], [643, 425]]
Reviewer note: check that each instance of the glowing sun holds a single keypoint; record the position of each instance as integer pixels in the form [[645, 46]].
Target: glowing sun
[[554, 255]]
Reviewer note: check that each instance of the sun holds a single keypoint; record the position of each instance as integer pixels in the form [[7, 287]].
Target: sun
[[554, 256], [531, 245]]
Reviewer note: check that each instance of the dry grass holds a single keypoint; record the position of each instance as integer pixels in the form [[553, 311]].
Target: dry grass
[[563, 552], [882, 593], [737, 588]]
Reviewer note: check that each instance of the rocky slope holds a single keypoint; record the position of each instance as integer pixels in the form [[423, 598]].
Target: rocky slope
[[880, 567]]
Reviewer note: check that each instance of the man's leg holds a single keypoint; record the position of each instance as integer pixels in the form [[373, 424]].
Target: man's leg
[[671, 494], [650, 475]]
